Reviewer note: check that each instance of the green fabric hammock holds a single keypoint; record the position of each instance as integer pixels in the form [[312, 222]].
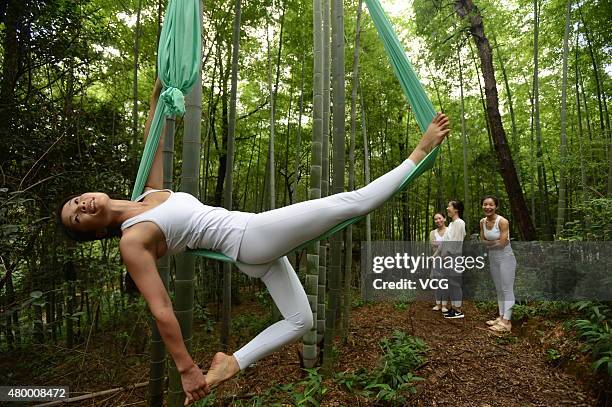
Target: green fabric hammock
[[180, 53], [179, 56]]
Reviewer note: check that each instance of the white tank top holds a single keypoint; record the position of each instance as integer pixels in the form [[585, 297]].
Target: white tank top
[[189, 224], [437, 236], [494, 233]]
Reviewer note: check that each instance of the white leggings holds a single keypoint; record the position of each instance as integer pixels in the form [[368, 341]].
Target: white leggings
[[503, 267], [272, 234]]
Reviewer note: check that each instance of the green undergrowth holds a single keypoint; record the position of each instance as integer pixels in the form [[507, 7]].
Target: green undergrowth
[[393, 379], [389, 383], [592, 327]]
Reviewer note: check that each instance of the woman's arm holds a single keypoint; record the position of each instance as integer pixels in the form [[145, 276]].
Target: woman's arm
[[156, 175], [140, 263], [483, 239], [433, 241], [504, 235]]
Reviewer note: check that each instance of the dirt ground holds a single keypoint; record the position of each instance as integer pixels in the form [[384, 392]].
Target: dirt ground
[[467, 365]]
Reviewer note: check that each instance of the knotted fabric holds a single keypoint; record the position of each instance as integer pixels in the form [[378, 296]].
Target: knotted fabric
[[179, 56]]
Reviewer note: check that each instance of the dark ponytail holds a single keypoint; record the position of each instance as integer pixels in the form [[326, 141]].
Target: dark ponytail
[[458, 205]]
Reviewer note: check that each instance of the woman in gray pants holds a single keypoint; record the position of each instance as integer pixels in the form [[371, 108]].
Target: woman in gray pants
[[495, 235]]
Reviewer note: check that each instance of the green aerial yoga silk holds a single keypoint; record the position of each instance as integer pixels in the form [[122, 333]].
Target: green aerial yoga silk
[[179, 54]]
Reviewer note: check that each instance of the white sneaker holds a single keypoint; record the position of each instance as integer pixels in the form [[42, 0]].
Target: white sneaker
[[437, 308], [444, 310]]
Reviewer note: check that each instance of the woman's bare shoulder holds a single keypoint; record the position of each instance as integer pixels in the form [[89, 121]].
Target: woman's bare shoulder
[[157, 195], [143, 235]]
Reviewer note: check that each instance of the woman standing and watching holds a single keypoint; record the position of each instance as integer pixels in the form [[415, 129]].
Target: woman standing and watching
[[435, 238], [495, 235], [452, 246]]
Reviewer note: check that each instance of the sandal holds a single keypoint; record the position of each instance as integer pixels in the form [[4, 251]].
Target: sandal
[[495, 321], [501, 327]]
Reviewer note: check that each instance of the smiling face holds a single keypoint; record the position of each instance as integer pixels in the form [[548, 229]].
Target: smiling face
[[439, 220], [450, 209], [489, 206], [87, 212]]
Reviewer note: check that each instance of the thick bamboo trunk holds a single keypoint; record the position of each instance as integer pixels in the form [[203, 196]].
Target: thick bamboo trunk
[[157, 367], [229, 171], [366, 173], [336, 241], [310, 354], [563, 148], [348, 264], [185, 264]]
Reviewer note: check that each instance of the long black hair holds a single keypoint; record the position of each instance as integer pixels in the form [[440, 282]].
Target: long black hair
[[82, 236]]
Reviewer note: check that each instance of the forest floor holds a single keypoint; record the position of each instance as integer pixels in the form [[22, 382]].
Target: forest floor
[[466, 364]]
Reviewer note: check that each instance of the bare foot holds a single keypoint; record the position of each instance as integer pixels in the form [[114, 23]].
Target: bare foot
[[222, 368], [433, 136]]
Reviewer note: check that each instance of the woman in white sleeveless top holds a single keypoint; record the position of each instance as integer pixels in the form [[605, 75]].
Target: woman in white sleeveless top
[[435, 238], [495, 235], [163, 222]]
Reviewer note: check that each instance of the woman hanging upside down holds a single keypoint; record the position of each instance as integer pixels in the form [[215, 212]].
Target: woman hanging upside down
[[162, 222]]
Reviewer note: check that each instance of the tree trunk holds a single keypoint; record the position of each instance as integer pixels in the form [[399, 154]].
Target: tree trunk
[[336, 240], [322, 305], [221, 170], [229, 178], [563, 148], [271, 171], [366, 173], [157, 367], [325, 177], [185, 263], [467, 10], [12, 66], [135, 81], [583, 176], [466, 186], [515, 142], [348, 264], [310, 354], [293, 197]]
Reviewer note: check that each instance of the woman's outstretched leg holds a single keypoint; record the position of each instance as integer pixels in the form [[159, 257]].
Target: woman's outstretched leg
[[288, 294], [274, 233]]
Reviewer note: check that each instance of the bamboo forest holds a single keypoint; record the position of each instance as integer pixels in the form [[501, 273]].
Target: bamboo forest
[[305, 203]]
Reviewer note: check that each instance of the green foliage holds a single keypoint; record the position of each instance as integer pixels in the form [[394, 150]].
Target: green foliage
[[553, 354], [401, 306], [203, 316], [533, 309], [361, 302], [390, 382], [246, 326], [312, 390], [592, 221], [208, 401], [505, 340], [263, 298], [594, 329]]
